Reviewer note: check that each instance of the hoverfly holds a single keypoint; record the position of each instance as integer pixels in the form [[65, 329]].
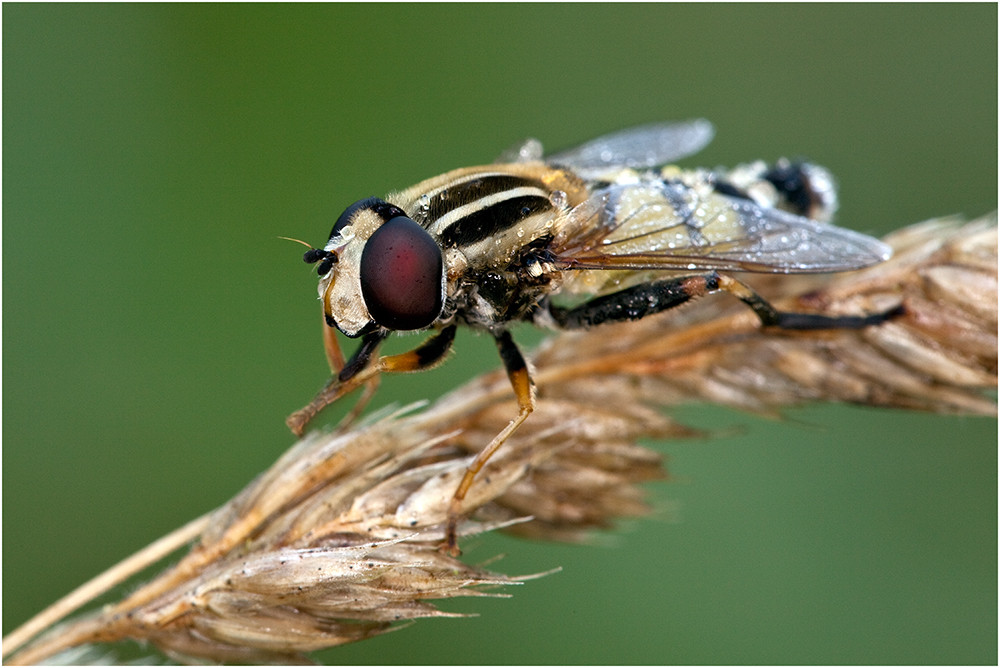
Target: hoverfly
[[603, 223]]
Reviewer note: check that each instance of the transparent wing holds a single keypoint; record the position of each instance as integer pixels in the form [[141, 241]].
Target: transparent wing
[[639, 147], [529, 150], [658, 225]]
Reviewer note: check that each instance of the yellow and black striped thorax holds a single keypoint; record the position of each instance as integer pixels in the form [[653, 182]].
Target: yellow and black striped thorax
[[489, 213]]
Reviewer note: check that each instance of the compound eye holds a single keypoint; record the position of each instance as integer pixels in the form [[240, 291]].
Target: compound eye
[[402, 275]]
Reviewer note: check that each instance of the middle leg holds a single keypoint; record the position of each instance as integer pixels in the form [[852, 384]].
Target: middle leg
[[520, 380]]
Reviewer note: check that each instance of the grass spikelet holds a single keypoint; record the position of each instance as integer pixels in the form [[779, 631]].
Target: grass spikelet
[[337, 541]]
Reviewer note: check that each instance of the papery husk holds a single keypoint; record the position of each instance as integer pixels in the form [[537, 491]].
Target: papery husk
[[338, 540]]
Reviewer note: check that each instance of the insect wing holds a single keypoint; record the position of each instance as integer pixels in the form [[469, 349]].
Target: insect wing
[[637, 148], [530, 150], [671, 226]]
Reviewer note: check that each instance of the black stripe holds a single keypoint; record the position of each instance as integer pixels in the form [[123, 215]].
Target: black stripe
[[434, 348], [461, 194], [493, 220], [513, 361], [793, 184], [728, 189]]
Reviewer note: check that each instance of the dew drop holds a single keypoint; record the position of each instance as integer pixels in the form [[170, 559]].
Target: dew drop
[[558, 199], [423, 206]]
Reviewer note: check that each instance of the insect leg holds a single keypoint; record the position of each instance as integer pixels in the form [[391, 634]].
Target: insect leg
[[341, 383], [350, 376], [331, 346], [632, 303], [520, 380], [362, 356], [771, 317], [428, 354], [649, 298]]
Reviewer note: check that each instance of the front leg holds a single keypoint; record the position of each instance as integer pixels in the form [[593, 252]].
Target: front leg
[[520, 380], [360, 370], [428, 355], [343, 381]]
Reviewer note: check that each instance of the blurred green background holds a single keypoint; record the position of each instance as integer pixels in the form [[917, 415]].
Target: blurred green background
[[156, 332]]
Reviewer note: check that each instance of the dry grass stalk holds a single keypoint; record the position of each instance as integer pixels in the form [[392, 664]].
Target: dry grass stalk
[[337, 540]]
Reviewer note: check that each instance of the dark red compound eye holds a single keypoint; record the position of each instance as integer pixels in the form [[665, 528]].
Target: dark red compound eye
[[402, 274]]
